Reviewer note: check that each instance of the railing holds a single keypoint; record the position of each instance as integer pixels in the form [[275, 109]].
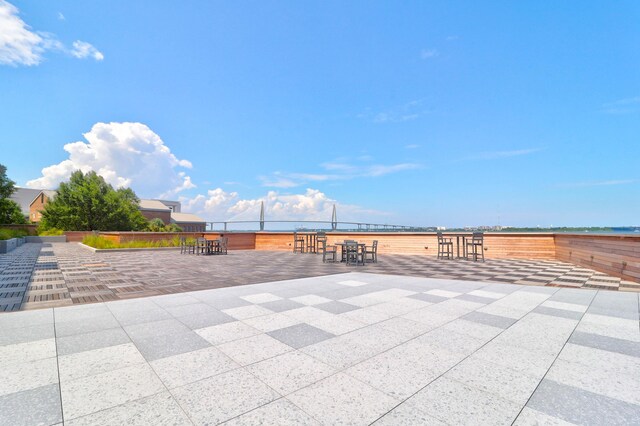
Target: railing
[[310, 225]]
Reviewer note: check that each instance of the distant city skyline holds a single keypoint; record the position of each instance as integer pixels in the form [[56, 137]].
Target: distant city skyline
[[482, 113]]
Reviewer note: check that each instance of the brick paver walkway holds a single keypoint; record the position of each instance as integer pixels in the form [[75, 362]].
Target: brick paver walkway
[[59, 274]]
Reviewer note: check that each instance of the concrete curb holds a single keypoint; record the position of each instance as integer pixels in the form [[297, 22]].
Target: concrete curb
[[125, 250]]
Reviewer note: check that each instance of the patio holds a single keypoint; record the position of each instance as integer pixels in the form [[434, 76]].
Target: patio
[[352, 348], [62, 274]]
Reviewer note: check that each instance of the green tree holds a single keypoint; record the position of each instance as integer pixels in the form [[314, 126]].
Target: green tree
[[10, 211], [88, 203]]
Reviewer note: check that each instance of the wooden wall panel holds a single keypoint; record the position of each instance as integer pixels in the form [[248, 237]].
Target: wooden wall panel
[[616, 255], [498, 246]]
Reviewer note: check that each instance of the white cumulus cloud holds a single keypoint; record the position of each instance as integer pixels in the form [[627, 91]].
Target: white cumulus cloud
[[20, 45], [219, 205], [125, 154]]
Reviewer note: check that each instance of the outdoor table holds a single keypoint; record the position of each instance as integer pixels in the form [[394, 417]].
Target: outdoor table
[[459, 237], [361, 246], [212, 246], [310, 240]]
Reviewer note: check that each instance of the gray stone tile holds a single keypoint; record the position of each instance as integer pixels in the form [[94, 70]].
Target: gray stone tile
[[283, 305], [582, 407], [300, 335], [336, 307], [35, 406], [227, 302], [196, 321], [606, 343], [431, 298], [155, 328], [191, 309], [159, 409], [562, 313], [130, 317], [26, 319], [614, 312], [86, 325], [12, 336], [85, 342], [161, 346], [571, 295], [489, 319]]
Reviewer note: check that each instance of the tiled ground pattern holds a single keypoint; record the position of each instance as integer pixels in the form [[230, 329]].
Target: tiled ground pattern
[[354, 348], [66, 274]]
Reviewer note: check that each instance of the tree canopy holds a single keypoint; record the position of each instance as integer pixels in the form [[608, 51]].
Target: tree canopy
[[10, 211], [88, 203]]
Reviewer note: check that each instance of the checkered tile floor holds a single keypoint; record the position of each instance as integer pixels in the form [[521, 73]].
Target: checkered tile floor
[[354, 348], [37, 276]]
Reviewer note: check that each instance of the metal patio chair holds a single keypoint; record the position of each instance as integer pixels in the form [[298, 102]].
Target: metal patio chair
[[372, 251], [445, 247], [475, 247], [353, 253], [329, 251]]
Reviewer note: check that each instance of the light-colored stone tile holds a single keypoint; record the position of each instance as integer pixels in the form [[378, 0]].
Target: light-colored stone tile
[[601, 379], [29, 351], [366, 316], [473, 329], [98, 392], [456, 403], [530, 417], [429, 317], [271, 322], [564, 305], [310, 299], [443, 293], [97, 361], [291, 371], [281, 412], [399, 372], [404, 328], [227, 332], [351, 401], [340, 352], [220, 398], [253, 349], [352, 283], [28, 375], [615, 362], [407, 415], [158, 410], [178, 370], [509, 384], [488, 294], [603, 325], [245, 312], [519, 359], [261, 298], [400, 306]]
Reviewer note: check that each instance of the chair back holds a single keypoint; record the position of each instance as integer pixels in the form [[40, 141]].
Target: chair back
[[440, 237], [478, 237]]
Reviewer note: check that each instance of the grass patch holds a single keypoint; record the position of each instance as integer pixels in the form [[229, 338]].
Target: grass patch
[[7, 234], [98, 242]]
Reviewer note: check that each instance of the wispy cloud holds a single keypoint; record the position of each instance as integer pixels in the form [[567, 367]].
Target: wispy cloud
[[452, 38], [412, 146], [494, 155], [61, 16], [337, 170], [622, 106], [406, 112], [429, 53], [587, 184], [20, 45]]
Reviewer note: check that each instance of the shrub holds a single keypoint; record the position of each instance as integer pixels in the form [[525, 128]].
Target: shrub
[[7, 234], [103, 243], [50, 232]]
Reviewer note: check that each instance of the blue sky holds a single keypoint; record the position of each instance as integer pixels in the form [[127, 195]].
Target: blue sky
[[438, 113]]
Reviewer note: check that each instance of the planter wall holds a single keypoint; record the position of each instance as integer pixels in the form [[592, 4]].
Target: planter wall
[[49, 239], [8, 245]]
